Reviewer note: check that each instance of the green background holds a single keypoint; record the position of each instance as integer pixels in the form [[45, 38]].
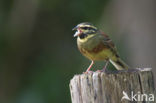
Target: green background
[[39, 56]]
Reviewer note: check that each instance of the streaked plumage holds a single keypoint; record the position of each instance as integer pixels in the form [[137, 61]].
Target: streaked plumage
[[96, 45]]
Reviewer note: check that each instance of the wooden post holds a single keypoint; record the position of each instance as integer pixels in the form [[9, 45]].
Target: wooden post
[[133, 86]]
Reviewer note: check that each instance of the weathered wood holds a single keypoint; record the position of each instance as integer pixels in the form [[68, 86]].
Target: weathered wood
[[101, 87]]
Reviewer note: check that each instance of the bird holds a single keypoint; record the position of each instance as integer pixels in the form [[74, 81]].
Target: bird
[[97, 46]]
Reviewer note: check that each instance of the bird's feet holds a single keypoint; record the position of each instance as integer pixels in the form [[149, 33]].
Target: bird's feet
[[88, 72], [100, 70], [103, 70]]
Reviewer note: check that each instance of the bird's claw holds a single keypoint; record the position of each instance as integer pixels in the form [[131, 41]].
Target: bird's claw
[[100, 70], [87, 72]]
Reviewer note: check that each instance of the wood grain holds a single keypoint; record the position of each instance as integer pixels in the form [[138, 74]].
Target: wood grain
[[101, 87]]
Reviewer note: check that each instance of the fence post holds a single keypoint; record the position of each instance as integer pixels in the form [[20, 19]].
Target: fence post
[[114, 87]]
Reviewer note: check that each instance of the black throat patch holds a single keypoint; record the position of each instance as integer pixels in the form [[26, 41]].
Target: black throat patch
[[83, 35]]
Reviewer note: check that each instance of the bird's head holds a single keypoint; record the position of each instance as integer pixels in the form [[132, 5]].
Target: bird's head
[[84, 28]]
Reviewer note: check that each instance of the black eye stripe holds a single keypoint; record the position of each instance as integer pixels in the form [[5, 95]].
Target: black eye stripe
[[88, 28], [85, 28]]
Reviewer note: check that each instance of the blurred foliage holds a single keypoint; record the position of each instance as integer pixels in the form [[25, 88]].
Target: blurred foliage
[[38, 55]]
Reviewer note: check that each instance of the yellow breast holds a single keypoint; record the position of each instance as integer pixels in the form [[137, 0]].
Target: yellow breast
[[93, 48]]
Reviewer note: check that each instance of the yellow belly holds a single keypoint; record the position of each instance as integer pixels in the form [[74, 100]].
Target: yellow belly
[[94, 48], [102, 55]]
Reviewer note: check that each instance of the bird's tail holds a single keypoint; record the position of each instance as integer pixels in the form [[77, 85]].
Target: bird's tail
[[119, 64]]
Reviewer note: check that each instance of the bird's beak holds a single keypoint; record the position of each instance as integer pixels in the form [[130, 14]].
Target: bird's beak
[[77, 32], [75, 28]]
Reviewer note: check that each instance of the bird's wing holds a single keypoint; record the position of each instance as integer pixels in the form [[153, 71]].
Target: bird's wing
[[108, 42]]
